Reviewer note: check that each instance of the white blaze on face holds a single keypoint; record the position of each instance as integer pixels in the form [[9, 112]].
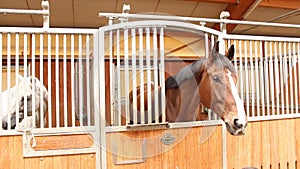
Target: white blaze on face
[[238, 101]]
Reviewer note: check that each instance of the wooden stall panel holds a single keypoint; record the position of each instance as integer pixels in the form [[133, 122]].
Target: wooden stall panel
[[197, 147], [63, 142], [266, 145], [11, 157]]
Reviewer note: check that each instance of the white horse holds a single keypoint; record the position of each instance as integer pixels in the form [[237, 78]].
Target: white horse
[[13, 102]]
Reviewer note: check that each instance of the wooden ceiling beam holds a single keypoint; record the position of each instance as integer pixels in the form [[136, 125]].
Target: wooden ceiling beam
[[237, 11], [284, 4], [217, 1]]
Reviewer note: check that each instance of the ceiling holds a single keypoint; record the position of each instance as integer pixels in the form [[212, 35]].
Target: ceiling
[[84, 13]]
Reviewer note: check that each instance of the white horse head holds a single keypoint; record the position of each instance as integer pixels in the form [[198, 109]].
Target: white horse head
[[28, 95]]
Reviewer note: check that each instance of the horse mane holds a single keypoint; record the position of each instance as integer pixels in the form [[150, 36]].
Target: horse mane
[[192, 69], [184, 74]]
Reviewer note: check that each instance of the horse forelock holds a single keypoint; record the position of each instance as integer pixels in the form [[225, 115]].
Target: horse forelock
[[221, 63]]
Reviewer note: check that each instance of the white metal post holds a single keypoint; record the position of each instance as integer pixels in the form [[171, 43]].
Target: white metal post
[[100, 95]]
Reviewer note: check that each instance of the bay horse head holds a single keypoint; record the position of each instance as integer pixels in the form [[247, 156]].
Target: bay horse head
[[216, 81], [218, 90], [210, 81]]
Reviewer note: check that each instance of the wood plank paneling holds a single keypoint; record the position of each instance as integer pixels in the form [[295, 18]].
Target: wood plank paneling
[[63, 142], [15, 152], [297, 139], [29, 163], [256, 144], [46, 163], [87, 161], [4, 152], [266, 144], [60, 162], [189, 150], [11, 157]]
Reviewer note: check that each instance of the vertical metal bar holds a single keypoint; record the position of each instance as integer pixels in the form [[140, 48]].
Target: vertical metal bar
[[295, 78], [134, 86], [118, 78], [80, 73], [241, 70], [162, 75], [206, 45], [276, 66], [49, 83], [290, 77], [272, 85], [207, 49], [42, 115], [298, 66], [111, 86], [266, 76], [33, 82], [235, 58], [257, 78], [99, 135], [148, 58], [212, 41], [213, 115], [281, 77], [1, 71], [65, 81], [262, 79], [73, 114], [246, 78], [57, 80], [141, 68], [155, 74], [17, 77], [126, 86], [88, 93], [102, 122], [285, 73], [252, 80], [8, 82], [25, 73]]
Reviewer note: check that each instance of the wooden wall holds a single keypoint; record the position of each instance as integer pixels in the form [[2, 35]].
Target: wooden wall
[[266, 145], [185, 152], [11, 157]]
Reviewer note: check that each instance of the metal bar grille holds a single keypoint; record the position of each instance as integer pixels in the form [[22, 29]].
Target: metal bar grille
[[32, 60], [270, 72]]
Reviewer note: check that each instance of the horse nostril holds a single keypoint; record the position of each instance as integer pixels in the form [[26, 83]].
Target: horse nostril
[[4, 125], [237, 124]]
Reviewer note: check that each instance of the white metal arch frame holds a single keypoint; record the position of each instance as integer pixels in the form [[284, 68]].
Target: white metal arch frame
[[109, 42], [107, 32]]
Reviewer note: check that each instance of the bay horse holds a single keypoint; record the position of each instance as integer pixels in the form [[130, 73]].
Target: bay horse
[[17, 95], [209, 81]]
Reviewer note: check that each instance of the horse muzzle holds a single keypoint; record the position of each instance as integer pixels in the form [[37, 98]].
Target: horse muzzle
[[236, 127]]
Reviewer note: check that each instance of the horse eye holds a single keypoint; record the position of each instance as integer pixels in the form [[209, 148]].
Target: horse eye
[[216, 78]]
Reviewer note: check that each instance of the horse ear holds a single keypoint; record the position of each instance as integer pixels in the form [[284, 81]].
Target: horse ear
[[215, 52], [216, 47], [230, 52]]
